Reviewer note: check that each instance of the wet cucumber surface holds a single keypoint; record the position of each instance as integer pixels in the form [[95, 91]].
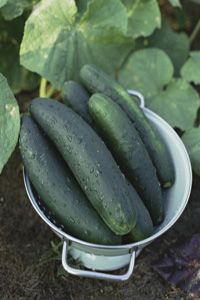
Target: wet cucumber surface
[[90, 161], [58, 188], [97, 81], [125, 143], [76, 97]]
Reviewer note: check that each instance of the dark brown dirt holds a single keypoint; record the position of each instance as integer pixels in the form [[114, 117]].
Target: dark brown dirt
[[24, 239]]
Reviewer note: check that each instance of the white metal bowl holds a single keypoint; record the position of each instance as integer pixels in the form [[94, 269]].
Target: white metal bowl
[[102, 258]]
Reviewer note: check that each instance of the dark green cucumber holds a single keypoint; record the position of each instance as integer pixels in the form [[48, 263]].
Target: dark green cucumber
[[97, 81], [58, 188], [90, 161], [76, 97], [126, 145], [144, 226]]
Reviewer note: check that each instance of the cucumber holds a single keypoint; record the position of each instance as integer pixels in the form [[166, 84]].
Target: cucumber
[[126, 145], [58, 188], [90, 161], [144, 226], [97, 81], [76, 96]]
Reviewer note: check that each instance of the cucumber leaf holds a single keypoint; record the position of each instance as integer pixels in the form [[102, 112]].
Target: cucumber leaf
[[144, 17], [175, 3], [177, 104], [176, 45], [191, 69], [191, 139], [2, 3], [56, 44], [147, 71], [10, 37], [9, 122], [11, 9]]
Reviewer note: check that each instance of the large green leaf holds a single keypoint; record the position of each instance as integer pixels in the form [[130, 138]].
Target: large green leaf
[[191, 139], [147, 71], [9, 122], [3, 2], [177, 104], [176, 45], [144, 17], [10, 37], [56, 44], [11, 9], [175, 3], [191, 69]]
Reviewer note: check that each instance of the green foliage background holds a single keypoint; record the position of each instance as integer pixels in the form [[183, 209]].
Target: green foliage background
[[129, 39]]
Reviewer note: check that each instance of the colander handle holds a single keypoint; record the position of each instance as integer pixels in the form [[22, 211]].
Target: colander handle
[[94, 274], [139, 96]]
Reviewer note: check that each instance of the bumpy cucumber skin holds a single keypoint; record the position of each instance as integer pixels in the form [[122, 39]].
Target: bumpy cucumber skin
[[144, 225], [90, 161], [126, 145], [76, 96], [97, 81], [58, 188]]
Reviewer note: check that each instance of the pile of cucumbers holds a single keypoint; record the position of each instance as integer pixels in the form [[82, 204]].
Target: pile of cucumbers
[[96, 161]]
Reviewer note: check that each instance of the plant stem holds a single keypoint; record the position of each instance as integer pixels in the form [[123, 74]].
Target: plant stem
[[195, 32], [43, 86], [50, 92]]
